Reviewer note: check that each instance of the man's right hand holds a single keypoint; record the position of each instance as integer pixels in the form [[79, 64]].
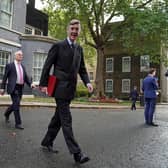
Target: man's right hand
[[43, 89], [2, 91]]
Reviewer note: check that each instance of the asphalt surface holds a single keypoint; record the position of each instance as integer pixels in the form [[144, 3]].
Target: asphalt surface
[[113, 138]]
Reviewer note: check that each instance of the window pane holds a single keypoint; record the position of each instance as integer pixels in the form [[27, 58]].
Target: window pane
[[6, 5], [126, 85], [28, 30], [145, 63], [5, 12], [109, 65], [32, 30], [1, 72], [126, 64], [4, 59], [38, 62], [91, 76], [38, 32], [5, 19], [109, 85]]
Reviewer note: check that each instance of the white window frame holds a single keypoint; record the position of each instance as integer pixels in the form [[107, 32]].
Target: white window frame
[[2, 65], [112, 66], [33, 29], [123, 64], [91, 75], [106, 88], [28, 29], [10, 14], [39, 67], [141, 82], [144, 68], [123, 89]]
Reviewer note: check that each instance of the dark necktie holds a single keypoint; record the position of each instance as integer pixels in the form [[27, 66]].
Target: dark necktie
[[73, 47]]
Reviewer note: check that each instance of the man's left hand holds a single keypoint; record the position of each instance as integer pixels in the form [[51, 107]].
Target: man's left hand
[[33, 86]]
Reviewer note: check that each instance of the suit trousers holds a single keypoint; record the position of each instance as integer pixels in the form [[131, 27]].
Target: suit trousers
[[150, 104], [133, 106], [62, 119], [16, 97]]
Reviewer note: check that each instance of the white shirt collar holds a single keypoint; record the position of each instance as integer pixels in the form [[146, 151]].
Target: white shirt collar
[[16, 62], [69, 41]]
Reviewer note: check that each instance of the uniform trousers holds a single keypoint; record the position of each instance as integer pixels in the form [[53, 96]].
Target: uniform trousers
[[16, 97], [150, 104], [62, 119]]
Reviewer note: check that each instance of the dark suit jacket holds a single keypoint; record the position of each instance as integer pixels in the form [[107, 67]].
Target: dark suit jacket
[[61, 56], [149, 87], [11, 76], [134, 94]]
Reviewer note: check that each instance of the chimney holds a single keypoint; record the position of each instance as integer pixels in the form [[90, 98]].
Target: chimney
[[32, 3]]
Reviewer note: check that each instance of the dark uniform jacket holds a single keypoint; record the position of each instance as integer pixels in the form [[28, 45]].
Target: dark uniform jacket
[[11, 75], [67, 65], [149, 87], [134, 94]]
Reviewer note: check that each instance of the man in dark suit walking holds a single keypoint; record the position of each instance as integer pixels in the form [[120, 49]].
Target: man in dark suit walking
[[67, 58], [149, 88], [16, 75]]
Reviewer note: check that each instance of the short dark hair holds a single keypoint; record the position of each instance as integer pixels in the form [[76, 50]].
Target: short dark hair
[[74, 21], [151, 70]]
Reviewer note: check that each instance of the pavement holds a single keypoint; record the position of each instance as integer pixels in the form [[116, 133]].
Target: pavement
[[73, 105], [6, 102], [112, 138]]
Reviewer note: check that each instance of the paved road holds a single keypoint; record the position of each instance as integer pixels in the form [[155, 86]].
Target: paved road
[[112, 138]]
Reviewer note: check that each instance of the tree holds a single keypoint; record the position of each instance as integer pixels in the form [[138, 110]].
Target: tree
[[143, 20], [58, 20]]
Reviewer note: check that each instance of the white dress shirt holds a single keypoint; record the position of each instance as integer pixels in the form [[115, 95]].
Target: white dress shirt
[[18, 81]]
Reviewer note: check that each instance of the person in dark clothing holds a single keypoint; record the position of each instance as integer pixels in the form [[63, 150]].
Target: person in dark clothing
[[150, 88], [67, 58], [16, 75], [134, 96]]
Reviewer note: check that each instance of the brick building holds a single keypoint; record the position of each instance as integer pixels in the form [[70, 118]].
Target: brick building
[[124, 70]]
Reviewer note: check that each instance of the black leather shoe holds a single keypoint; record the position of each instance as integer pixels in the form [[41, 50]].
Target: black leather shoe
[[49, 148], [154, 125], [19, 127], [81, 158], [6, 119]]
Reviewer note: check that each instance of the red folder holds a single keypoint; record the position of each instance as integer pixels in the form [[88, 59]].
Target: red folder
[[52, 81]]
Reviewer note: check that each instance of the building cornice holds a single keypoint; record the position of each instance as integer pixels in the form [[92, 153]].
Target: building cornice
[[11, 30], [38, 38], [12, 43]]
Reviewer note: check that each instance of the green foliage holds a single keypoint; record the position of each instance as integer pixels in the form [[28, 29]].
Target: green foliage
[[89, 54], [142, 30], [58, 21], [81, 90]]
